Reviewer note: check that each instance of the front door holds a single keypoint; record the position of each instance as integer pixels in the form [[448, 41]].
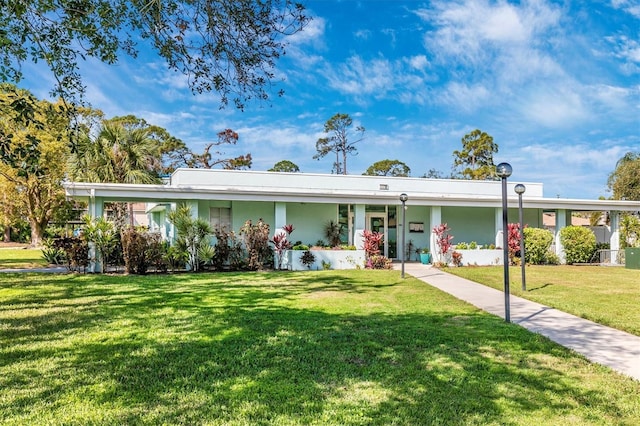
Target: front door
[[377, 222]]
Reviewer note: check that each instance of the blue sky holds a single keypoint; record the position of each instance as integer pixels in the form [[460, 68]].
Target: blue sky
[[557, 84]]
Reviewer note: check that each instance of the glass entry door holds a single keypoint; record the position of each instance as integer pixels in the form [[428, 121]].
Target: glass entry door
[[377, 222]]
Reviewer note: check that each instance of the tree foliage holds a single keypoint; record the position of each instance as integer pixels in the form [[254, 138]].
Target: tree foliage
[[33, 152], [225, 46], [285, 166], [624, 181], [475, 160], [337, 141], [388, 168]]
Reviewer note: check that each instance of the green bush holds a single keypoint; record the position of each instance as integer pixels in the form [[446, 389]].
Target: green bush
[[537, 243], [579, 244]]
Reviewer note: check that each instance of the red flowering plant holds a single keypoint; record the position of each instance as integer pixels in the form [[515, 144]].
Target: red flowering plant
[[513, 241], [443, 240], [372, 242], [281, 243]]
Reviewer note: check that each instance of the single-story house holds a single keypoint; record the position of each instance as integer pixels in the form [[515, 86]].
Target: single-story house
[[471, 208]]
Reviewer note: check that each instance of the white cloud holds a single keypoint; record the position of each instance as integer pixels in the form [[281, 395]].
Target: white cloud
[[418, 62], [554, 107], [358, 77]]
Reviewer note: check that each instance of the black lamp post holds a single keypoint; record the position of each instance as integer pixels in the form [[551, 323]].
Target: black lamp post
[[503, 170], [520, 188], [403, 198]]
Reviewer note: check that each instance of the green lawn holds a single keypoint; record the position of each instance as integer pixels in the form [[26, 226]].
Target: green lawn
[[21, 258], [606, 295], [324, 348]]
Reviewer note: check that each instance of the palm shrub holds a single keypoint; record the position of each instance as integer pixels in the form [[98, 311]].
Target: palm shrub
[[102, 234], [579, 244], [52, 254], [537, 245], [193, 233]]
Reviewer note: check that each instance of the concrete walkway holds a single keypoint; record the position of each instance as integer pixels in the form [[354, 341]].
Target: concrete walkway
[[603, 345]]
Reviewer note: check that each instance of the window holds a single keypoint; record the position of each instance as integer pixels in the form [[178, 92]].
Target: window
[[220, 217]]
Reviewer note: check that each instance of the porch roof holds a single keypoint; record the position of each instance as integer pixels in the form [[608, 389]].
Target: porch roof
[[202, 184]]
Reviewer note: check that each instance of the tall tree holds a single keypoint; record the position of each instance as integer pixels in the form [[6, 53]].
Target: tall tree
[[475, 160], [388, 168], [206, 160], [227, 46], [624, 181], [33, 151], [337, 127], [285, 166]]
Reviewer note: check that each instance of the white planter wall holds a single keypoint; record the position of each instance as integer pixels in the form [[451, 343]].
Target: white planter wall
[[339, 259], [481, 257]]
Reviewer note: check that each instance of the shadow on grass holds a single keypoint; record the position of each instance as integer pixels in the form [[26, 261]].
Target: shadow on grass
[[230, 352]]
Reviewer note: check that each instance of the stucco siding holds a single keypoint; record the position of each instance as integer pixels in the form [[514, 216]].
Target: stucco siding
[[471, 224], [309, 220], [241, 211]]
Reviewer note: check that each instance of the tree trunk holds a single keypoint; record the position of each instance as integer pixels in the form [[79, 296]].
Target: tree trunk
[[37, 233], [7, 233]]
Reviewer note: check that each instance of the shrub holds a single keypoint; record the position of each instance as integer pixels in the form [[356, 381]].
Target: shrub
[[473, 245], [307, 259], [456, 258], [537, 243], [378, 261], [193, 233], [142, 250], [579, 244], [300, 247], [52, 254], [513, 241], [281, 243], [256, 241], [462, 246], [372, 241], [76, 252]]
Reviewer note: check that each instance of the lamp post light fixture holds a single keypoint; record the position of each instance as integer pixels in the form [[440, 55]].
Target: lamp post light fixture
[[503, 170], [520, 188], [403, 199]]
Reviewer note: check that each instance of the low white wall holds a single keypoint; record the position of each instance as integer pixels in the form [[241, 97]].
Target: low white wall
[[481, 257], [339, 259]]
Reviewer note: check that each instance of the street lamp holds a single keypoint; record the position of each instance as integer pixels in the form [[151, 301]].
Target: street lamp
[[503, 170], [403, 198], [520, 188]]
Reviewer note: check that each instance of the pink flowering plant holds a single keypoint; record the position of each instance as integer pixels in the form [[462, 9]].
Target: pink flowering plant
[[281, 243], [372, 242], [443, 240]]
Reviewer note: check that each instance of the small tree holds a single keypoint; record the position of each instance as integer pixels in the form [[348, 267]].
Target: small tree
[[388, 168], [443, 240], [285, 166]]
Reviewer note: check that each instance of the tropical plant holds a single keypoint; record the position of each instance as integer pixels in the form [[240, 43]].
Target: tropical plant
[[281, 243], [193, 233], [102, 234], [378, 261], [579, 244], [372, 242], [443, 241], [456, 258], [629, 231], [285, 166], [332, 231], [513, 241], [52, 254]]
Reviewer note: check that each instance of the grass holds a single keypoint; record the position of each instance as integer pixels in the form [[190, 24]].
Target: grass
[[11, 258], [606, 295], [308, 348]]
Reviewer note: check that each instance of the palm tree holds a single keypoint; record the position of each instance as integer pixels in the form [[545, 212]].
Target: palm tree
[[116, 155]]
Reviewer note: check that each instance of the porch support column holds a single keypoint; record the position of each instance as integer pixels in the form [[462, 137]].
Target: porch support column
[[435, 219], [280, 216], [359, 226], [96, 210], [498, 227], [614, 240], [561, 223]]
